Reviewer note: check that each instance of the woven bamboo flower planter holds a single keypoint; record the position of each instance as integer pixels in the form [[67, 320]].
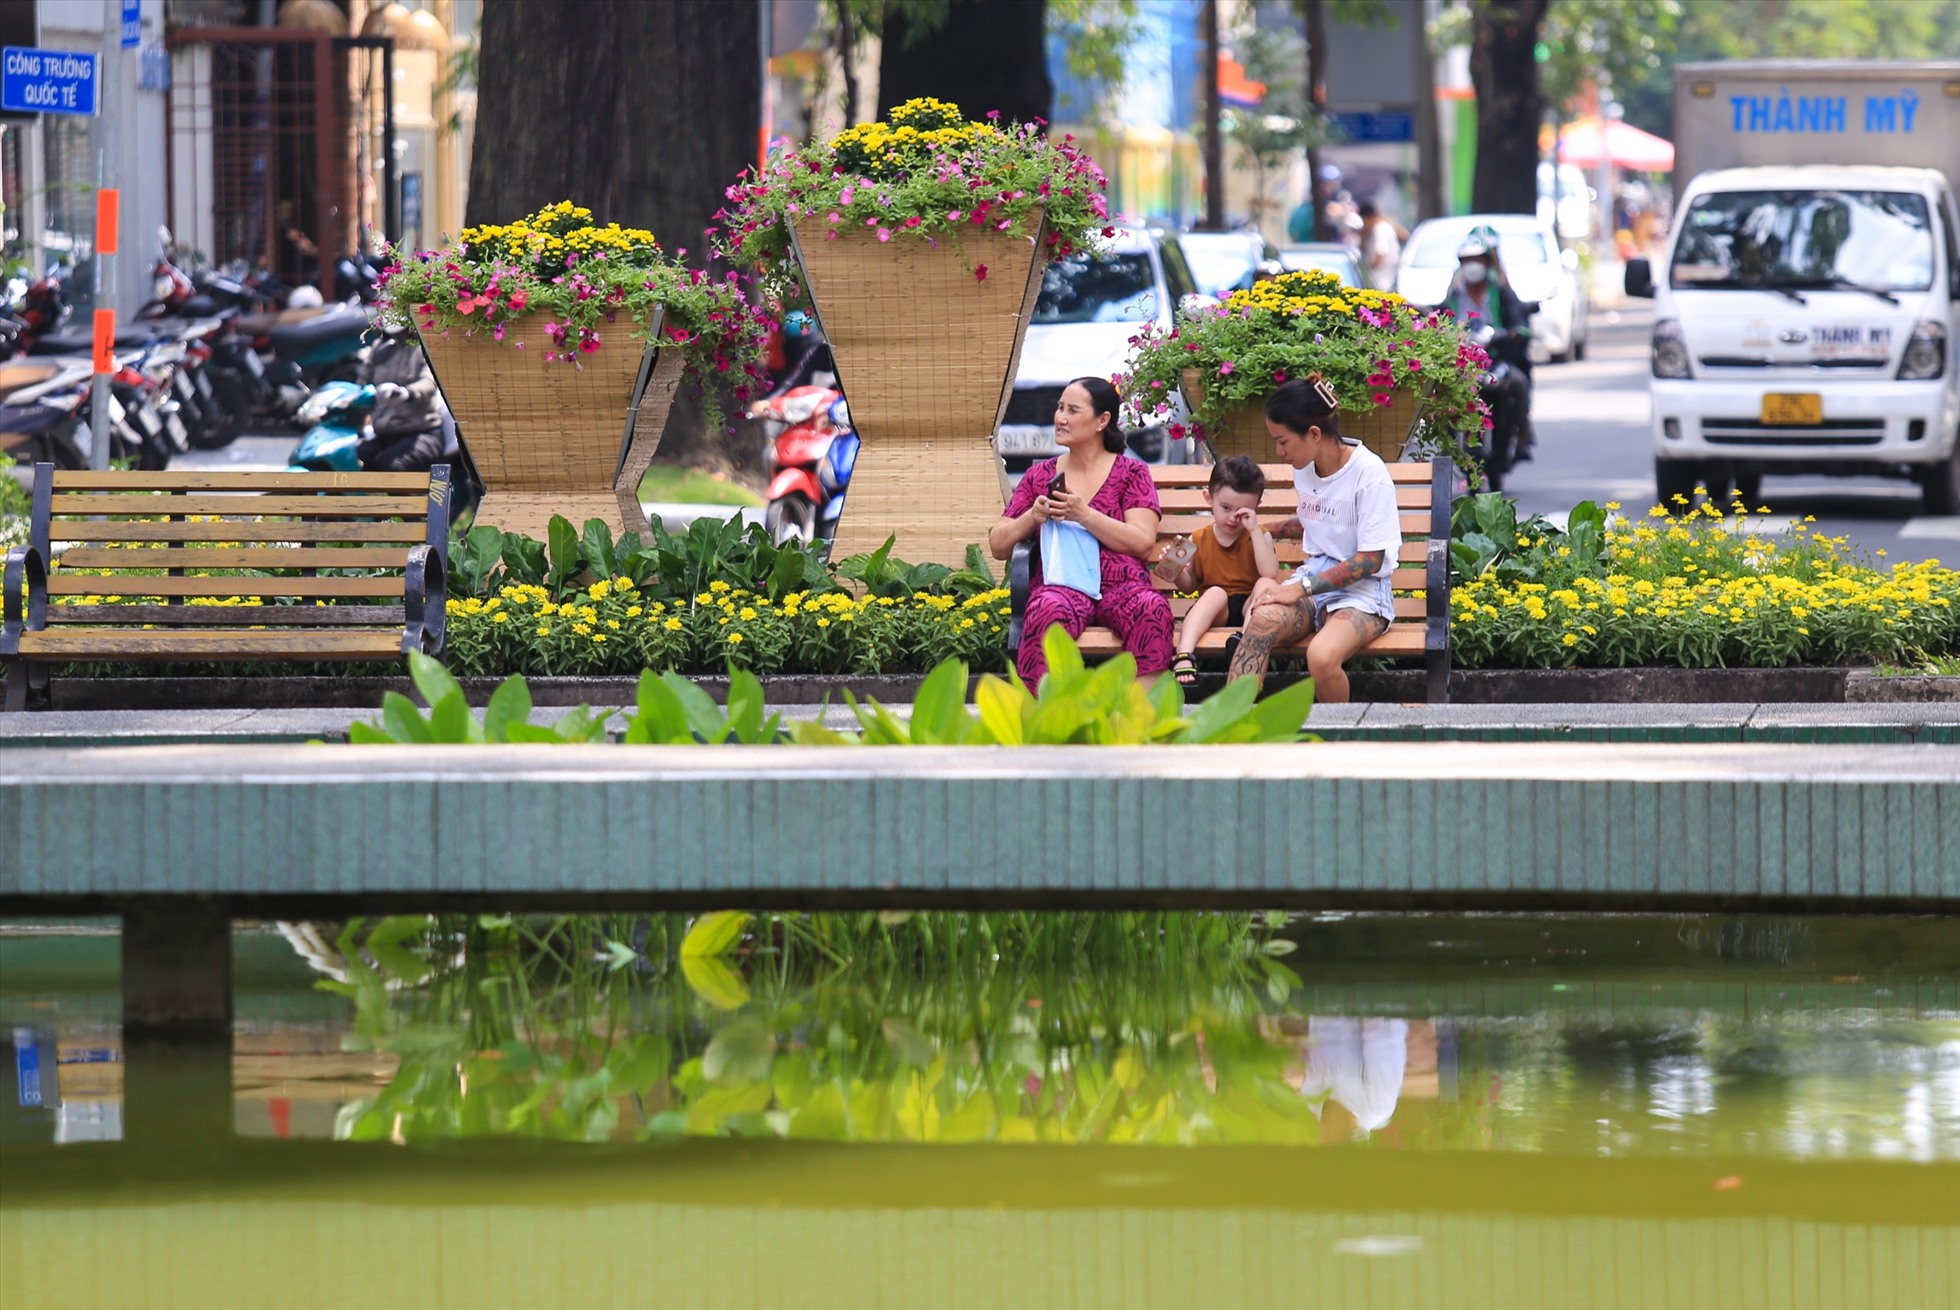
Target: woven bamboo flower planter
[[556, 438], [925, 355], [1383, 429]]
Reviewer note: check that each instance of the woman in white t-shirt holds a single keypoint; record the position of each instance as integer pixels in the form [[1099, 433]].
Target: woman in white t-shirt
[[1349, 531]]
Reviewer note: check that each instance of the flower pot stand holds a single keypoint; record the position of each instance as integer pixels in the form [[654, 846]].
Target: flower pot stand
[[925, 355], [557, 438]]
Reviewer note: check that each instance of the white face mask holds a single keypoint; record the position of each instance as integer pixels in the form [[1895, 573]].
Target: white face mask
[[1475, 274]]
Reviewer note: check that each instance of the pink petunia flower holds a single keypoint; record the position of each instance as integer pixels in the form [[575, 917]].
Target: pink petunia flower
[[1226, 369], [979, 272], [884, 234], [914, 221], [955, 215], [519, 299]]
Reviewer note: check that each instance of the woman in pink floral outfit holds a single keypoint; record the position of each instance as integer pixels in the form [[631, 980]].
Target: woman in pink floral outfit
[[1110, 495]]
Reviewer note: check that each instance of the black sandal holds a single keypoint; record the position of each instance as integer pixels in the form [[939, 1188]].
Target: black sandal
[[1185, 669]]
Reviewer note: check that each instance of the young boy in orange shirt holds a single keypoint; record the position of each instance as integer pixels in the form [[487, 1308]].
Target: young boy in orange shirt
[[1223, 560]]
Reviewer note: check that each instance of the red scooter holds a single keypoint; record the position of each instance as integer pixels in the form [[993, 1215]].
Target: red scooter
[[810, 458]]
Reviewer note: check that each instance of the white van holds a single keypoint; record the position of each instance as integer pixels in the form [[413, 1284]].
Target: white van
[[1807, 312]]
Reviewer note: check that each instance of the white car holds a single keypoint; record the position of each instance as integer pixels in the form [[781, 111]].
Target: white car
[[1537, 268], [1090, 306]]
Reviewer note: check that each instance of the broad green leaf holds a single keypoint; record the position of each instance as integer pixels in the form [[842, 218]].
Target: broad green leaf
[[714, 933], [431, 678], [1064, 656], [1282, 715], [660, 719], [561, 544], [597, 547], [977, 563], [450, 720], [715, 981], [509, 704], [704, 717], [939, 716], [1001, 706], [745, 706], [368, 734], [1219, 712], [403, 722], [809, 732], [740, 1053], [387, 944]]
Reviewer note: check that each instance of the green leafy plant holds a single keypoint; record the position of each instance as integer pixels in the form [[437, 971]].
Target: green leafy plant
[[449, 721], [881, 575], [14, 500], [1696, 589], [1106, 705]]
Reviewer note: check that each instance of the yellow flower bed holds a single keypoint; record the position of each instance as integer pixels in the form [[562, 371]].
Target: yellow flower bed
[[1703, 590], [610, 628]]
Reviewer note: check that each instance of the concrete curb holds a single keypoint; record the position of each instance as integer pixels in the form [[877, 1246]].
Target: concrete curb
[[1467, 687]]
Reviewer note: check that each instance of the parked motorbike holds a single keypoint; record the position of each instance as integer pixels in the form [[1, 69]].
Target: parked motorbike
[[810, 456], [337, 415], [50, 420]]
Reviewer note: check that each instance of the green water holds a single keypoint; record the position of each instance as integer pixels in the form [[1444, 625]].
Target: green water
[[1025, 1110]]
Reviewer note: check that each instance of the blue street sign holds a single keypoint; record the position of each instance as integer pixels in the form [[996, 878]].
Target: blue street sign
[[132, 24], [48, 81], [1384, 125]]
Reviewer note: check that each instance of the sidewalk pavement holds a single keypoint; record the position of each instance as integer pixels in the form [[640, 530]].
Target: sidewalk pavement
[[1929, 723]]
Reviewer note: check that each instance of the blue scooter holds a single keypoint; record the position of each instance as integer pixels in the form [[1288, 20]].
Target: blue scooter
[[338, 416]]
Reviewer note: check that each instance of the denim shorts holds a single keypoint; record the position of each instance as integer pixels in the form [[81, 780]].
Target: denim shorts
[[1370, 595]]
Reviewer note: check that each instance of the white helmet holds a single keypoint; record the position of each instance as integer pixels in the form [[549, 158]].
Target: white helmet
[[305, 298]]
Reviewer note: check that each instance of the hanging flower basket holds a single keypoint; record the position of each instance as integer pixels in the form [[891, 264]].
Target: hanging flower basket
[[922, 240], [1399, 371], [558, 345], [1241, 430]]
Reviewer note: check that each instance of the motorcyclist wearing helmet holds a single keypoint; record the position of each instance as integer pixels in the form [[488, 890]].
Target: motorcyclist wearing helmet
[[1481, 292], [408, 430]]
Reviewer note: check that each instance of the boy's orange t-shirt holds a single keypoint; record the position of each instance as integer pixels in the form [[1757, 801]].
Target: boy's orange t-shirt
[[1235, 568]]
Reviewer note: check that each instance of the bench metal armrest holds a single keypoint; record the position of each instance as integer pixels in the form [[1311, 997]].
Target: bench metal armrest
[[27, 569], [1436, 629], [1020, 579], [425, 603]]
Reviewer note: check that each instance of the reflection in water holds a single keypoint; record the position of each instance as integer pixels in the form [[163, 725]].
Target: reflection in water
[[1158, 1110], [1118, 1028]]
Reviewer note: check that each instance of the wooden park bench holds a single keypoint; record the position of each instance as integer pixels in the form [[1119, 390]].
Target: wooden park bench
[[195, 566], [1421, 631]]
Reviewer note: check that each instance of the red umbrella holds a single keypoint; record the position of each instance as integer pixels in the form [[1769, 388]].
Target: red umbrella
[[1626, 146]]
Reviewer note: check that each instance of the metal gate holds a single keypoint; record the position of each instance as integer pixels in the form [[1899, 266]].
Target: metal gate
[[278, 147]]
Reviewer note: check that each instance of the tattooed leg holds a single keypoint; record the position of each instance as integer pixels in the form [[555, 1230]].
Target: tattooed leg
[[1345, 633], [1267, 627]]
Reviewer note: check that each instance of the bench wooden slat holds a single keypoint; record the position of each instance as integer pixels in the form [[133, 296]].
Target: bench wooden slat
[[1406, 607], [1415, 523], [235, 557], [1197, 475], [331, 506], [185, 643], [202, 480], [1402, 639], [1403, 579], [1279, 499], [123, 584], [317, 532], [228, 616]]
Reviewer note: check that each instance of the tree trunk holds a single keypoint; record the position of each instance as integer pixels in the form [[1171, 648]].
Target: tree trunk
[[1316, 23], [987, 55], [645, 112], [1510, 105], [1214, 124]]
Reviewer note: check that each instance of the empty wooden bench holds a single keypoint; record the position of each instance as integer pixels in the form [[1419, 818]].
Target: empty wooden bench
[[1421, 631], [154, 567]]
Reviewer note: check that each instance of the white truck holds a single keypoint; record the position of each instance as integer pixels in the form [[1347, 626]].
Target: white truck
[[1807, 313]]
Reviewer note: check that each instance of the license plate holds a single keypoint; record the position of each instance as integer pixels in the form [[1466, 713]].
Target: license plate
[[1025, 441], [1805, 410]]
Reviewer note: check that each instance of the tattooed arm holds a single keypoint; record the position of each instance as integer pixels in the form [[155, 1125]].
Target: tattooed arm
[[1349, 571], [1298, 587]]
